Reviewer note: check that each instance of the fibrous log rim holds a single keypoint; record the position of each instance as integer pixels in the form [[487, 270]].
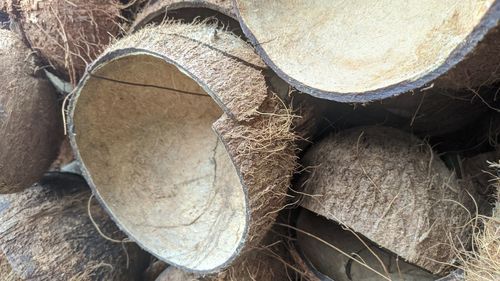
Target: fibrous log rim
[[117, 54], [151, 11], [129, 52], [489, 21]]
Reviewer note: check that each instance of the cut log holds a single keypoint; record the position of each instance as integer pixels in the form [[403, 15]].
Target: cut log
[[390, 187], [30, 118], [359, 51], [191, 187], [46, 234]]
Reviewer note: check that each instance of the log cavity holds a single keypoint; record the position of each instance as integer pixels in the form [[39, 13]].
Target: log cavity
[[359, 46], [155, 162]]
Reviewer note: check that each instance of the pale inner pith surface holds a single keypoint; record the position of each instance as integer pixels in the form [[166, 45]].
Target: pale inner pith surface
[[360, 45], [158, 165]]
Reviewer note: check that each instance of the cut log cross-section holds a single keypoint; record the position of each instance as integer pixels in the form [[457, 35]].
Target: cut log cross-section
[[359, 51], [191, 187]]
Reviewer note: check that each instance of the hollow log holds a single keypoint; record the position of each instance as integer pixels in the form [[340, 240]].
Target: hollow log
[[191, 187]]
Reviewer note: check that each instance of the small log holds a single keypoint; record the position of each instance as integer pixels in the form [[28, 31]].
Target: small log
[[46, 234], [30, 118]]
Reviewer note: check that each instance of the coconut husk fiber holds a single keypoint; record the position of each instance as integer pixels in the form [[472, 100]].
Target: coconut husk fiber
[[267, 262], [348, 56], [46, 234], [478, 174], [158, 10], [30, 120], [390, 187], [68, 34], [484, 262], [191, 187]]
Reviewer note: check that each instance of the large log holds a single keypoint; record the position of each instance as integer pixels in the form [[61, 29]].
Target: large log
[[191, 187], [390, 187], [359, 51]]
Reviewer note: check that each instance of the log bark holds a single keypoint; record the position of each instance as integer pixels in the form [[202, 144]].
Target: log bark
[[390, 187], [30, 118], [46, 234], [402, 46]]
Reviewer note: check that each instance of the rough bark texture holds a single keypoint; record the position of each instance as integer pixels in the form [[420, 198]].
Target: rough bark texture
[[160, 9], [390, 187], [263, 263], [255, 129], [69, 34], [483, 263], [357, 250], [46, 234], [477, 173], [30, 120]]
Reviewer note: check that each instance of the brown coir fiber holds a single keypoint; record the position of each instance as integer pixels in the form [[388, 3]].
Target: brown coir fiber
[[390, 187], [30, 122], [191, 187], [267, 262], [46, 234], [483, 262], [161, 9], [343, 255], [69, 34]]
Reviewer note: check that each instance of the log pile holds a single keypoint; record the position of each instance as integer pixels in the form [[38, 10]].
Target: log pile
[[249, 140]]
